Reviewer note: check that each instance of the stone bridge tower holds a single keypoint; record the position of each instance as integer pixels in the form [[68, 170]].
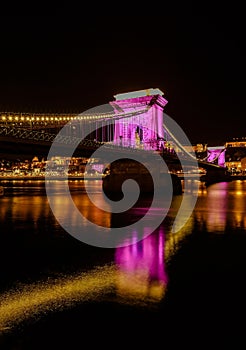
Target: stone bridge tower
[[145, 124]]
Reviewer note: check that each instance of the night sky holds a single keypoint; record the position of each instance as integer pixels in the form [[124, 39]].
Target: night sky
[[59, 63]]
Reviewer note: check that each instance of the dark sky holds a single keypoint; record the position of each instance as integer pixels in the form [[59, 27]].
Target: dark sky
[[59, 63]]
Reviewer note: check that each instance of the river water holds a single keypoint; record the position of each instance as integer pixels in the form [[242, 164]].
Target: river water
[[186, 287]]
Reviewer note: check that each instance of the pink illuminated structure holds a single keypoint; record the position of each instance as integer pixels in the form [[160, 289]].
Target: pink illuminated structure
[[217, 155], [145, 124]]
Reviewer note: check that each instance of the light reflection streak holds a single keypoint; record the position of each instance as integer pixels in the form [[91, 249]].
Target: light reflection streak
[[30, 301], [223, 205], [138, 274], [139, 278], [141, 268]]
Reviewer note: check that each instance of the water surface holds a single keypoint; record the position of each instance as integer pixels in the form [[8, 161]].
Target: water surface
[[55, 289]]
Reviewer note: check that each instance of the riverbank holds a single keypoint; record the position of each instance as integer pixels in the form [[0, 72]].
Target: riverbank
[[43, 178]]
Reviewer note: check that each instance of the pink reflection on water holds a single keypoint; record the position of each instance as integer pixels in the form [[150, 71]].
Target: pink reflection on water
[[222, 205], [141, 266], [212, 207]]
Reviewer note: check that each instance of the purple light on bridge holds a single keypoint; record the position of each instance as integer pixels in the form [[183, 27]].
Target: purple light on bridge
[[145, 124], [216, 154]]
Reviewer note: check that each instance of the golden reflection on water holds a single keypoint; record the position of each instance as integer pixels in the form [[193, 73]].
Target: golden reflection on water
[[22, 210], [30, 301], [222, 205], [137, 277], [95, 215], [138, 274]]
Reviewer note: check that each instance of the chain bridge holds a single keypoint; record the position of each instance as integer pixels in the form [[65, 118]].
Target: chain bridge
[[133, 122]]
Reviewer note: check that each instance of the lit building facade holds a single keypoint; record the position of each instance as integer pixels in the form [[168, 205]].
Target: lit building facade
[[235, 156]]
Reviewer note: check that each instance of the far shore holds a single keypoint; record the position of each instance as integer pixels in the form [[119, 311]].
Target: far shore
[[43, 178]]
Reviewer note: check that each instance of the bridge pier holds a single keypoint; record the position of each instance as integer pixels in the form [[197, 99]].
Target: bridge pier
[[214, 176], [124, 169]]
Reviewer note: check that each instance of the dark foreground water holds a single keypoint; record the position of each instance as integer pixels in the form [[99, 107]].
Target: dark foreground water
[[185, 288]]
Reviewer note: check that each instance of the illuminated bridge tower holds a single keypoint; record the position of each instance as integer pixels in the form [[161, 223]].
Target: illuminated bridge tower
[[216, 155], [140, 118]]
